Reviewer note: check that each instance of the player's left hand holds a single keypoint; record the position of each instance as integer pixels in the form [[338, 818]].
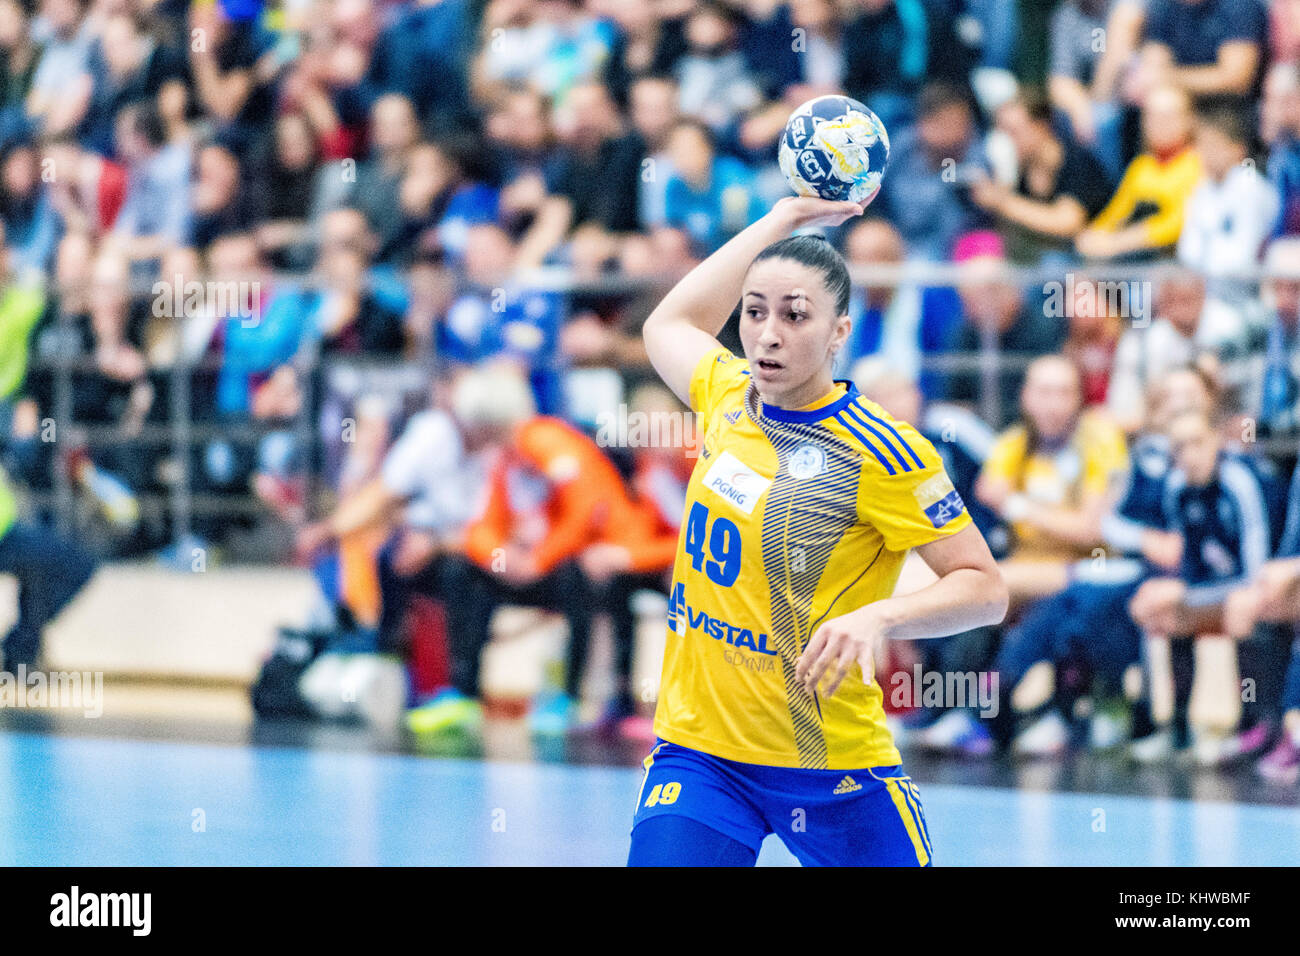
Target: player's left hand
[[836, 645]]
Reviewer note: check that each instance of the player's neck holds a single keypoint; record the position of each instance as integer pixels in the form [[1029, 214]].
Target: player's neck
[[815, 392]]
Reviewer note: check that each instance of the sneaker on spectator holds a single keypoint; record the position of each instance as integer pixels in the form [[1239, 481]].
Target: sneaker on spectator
[[554, 714], [957, 731], [449, 711], [1158, 747], [1217, 750], [1046, 737], [1107, 728], [1282, 765]]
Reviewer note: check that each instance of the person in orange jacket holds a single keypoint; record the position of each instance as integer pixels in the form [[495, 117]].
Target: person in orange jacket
[[551, 495]]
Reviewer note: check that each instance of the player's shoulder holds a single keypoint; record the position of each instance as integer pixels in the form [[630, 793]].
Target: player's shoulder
[[718, 373], [889, 446]]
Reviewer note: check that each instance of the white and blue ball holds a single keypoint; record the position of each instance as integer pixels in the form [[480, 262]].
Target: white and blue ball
[[835, 148]]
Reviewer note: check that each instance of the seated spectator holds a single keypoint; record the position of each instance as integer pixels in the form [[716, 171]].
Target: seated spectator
[[289, 176], [903, 324], [375, 185], [19, 52], [440, 199], [223, 200], [61, 84], [1272, 597], [349, 318], [930, 167], [1210, 48], [498, 316], [1280, 131], [231, 72], [552, 494], [126, 65], [519, 129], [891, 47], [1145, 216], [1219, 505], [998, 320], [595, 178], [1060, 189], [715, 84], [1232, 212], [1083, 79], [1188, 329], [1049, 478], [86, 190], [31, 223], [653, 110], [22, 303], [155, 214], [1278, 406], [709, 197], [1093, 335]]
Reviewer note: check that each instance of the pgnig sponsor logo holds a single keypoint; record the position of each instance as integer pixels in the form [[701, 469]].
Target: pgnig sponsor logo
[[682, 617]]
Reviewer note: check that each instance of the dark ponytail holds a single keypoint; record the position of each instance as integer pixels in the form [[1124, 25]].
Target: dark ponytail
[[816, 253]]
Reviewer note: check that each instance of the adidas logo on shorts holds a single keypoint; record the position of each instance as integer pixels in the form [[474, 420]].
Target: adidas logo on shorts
[[848, 785]]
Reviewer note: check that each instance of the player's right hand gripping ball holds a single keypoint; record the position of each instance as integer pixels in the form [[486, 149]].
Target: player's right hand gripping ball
[[835, 148]]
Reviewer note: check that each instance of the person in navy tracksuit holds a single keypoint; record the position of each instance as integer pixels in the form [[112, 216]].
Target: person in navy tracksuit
[[1219, 503]]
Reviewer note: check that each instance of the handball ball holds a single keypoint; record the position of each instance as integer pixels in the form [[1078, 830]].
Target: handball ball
[[835, 148]]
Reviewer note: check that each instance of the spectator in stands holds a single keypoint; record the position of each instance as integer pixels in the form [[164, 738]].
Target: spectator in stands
[[374, 186], [1083, 75], [654, 114], [552, 494], [85, 189], [1217, 502], [1094, 323], [232, 63], [22, 303], [289, 177], [126, 65], [930, 167], [498, 316], [594, 180], [31, 223], [1280, 131], [350, 319], [1272, 597], [1085, 630], [1278, 406], [435, 31], [1188, 329], [61, 84], [709, 197], [715, 83], [1210, 48], [1049, 478], [19, 53], [1061, 187], [155, 214], [441, 197], [904, 324], [1232, 212], [1145, 216], [223, 201], [519, 129], [998, 320]]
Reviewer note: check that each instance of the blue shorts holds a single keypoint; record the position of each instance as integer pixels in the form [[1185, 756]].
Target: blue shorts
[[869, 817]]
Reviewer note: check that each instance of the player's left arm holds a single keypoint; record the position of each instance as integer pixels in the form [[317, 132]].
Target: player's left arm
[[969, 593]]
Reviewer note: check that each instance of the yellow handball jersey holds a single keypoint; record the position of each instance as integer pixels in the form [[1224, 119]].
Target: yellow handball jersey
[[792, 518]]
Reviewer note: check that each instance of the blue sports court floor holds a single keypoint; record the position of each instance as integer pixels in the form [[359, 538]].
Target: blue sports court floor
[[104, 801]]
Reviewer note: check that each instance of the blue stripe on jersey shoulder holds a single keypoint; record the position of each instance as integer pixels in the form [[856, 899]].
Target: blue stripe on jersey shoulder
[[892, 430], [865, 443], [859, 415]]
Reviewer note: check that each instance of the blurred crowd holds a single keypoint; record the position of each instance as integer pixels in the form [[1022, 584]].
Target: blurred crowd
[[257, 193]]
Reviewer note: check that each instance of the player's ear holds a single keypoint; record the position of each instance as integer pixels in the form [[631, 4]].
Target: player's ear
[[840, 334]]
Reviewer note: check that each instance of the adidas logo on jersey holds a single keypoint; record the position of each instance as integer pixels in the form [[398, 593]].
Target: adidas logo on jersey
[[848, 785]]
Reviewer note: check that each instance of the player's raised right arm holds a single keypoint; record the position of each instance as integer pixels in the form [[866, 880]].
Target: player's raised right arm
[[686, 323]]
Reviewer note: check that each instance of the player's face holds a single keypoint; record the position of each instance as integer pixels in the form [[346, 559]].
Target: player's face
[[789, 331]]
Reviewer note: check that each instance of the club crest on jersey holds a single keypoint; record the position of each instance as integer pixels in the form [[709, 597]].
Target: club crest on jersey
[[735, 482], [806, 461], [939, 500]]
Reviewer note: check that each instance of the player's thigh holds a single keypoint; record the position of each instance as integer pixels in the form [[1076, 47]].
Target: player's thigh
[[687, 784], [880, 823]]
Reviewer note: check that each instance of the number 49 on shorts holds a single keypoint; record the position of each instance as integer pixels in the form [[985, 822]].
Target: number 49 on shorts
[[664, 793]]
